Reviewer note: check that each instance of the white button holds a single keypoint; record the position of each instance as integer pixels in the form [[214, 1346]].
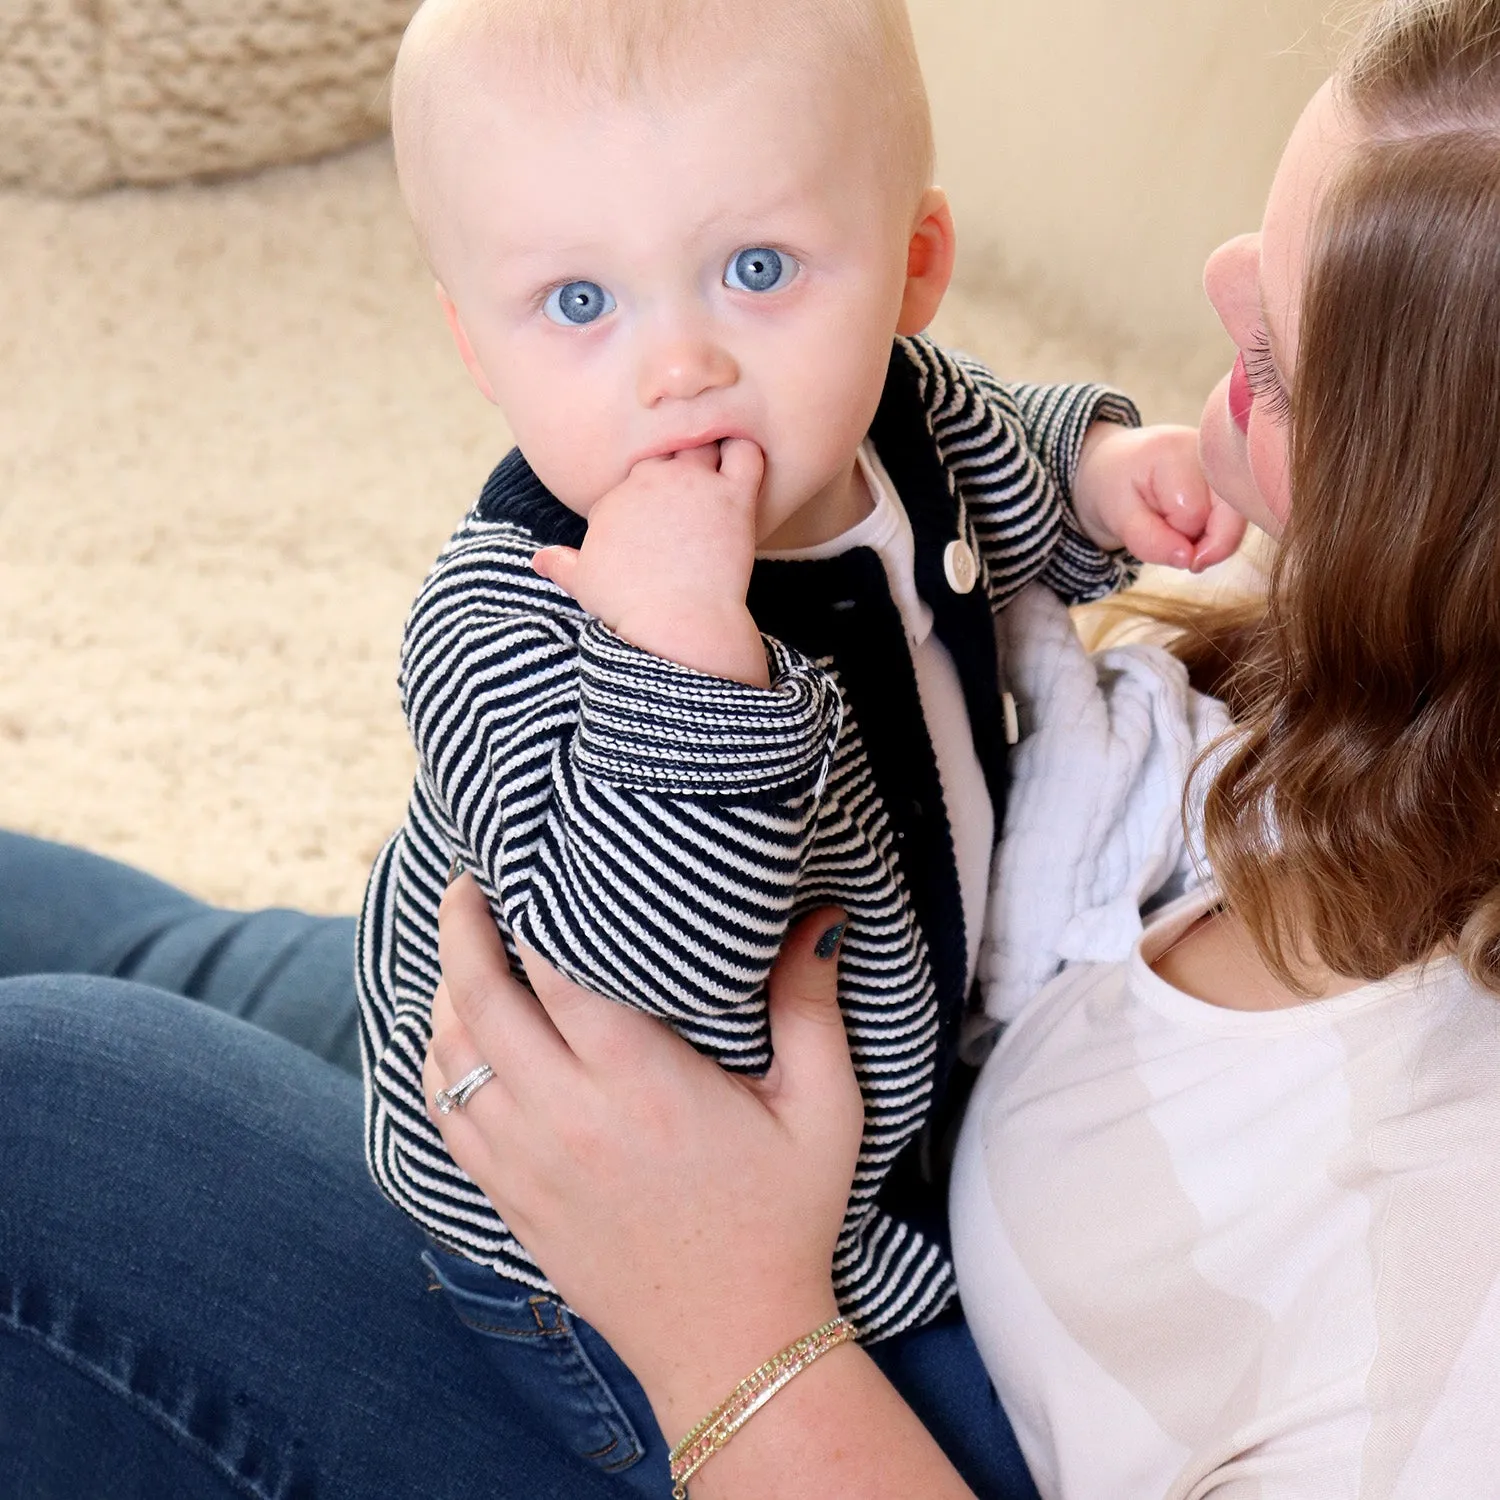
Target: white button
[[1012, 718], [959, 567]]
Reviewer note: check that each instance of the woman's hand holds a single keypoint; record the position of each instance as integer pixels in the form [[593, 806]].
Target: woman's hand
[[690, 1215]]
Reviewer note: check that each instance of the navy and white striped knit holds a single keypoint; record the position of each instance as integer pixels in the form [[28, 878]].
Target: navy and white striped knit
[[653, 831]]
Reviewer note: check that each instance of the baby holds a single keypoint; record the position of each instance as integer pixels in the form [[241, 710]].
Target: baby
[[717, 643]]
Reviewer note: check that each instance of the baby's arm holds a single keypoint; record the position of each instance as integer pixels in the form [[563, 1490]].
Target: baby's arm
[[1012, 452], [1060, 479], [1123, 486], [639, 822], [1056, 421]]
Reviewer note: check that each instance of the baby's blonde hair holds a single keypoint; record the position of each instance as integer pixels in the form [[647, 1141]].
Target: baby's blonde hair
[[631, 49]]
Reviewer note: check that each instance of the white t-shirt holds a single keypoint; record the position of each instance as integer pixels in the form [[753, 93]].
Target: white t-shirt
[[971, 815], [1252, 1255]]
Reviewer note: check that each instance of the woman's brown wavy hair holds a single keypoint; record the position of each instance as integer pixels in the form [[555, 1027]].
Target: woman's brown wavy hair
[[1356, 819]]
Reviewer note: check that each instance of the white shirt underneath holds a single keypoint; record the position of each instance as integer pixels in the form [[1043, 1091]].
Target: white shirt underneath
[[1252, 1255], [971, 815]]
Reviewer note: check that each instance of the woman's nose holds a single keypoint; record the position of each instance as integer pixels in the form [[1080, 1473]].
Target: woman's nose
[[1232, 280], [682, 368]]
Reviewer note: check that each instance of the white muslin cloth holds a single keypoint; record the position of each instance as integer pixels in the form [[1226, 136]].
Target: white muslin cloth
[[1094, 826]]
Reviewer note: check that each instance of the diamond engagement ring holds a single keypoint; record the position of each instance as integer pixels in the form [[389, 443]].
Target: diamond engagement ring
[[447, 1100]]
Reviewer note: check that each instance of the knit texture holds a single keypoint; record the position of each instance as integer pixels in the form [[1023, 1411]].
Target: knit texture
[[94, 93], [653, 831]]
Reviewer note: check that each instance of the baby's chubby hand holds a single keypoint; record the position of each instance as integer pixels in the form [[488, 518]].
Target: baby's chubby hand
[[1143, 488], [667, 558]]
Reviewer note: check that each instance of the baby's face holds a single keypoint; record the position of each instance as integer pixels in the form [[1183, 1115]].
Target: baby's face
[[636, 279]]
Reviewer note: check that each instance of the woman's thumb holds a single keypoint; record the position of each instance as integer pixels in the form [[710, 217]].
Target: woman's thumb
[[807, 1030]]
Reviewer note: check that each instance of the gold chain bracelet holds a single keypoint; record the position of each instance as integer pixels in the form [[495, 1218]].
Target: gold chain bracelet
[[748, 1397]]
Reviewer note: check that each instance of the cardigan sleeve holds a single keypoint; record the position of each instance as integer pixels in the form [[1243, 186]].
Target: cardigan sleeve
[[641, 824], [1011, 452], [1057, 419]]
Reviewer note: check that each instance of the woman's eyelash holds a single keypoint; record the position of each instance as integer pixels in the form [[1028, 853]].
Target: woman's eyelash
[[1265, 379]]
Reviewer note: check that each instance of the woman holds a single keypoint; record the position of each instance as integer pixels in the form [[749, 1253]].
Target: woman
[[1222, 1214], [264, 1336]]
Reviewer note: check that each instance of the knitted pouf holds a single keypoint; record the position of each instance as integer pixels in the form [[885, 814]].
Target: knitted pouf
[[97, 92]]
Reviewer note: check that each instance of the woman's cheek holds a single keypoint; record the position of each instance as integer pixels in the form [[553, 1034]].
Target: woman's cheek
[[1270, 464], [1236, 463], [1221, 448]]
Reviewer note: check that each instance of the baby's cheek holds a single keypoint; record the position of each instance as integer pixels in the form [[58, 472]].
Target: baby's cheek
[[578, 464]]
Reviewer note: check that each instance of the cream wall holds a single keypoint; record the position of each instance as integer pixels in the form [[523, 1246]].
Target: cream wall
[[1096, 151]]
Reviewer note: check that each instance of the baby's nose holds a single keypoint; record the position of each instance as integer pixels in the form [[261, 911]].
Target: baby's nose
[[682, 368]]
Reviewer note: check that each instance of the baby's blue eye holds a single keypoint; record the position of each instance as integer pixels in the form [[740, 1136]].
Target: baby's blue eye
[[759, 270], [579, 302]]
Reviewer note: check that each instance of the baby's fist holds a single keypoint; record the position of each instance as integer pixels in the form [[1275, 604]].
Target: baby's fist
[[1143, 488], [666, 559]]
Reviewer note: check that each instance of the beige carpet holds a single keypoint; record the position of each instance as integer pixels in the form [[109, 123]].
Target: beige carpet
[[232, 437]]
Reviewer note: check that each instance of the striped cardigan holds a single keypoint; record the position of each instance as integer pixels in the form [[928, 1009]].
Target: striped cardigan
[[653, 830]]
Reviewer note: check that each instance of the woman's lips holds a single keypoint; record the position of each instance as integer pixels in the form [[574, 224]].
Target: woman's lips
[[1241, 397]]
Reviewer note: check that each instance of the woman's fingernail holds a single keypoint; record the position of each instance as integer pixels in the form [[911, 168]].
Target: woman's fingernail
[[454, 870], [828, 944]]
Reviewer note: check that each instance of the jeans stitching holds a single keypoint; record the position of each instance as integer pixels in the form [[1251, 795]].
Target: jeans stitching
[[169, 1424], [606, 1407], [602, 1401], [559, 1321], [593, 1388], [504, 1330]]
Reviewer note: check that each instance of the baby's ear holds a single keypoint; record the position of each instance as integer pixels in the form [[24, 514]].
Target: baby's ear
[[465, 348], [929, 262]]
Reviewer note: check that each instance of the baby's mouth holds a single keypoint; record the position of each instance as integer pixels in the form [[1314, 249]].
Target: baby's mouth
[[686, 443], [705, 455]]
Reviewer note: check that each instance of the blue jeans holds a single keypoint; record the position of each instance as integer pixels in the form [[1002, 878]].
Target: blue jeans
[[65, 911], [201, 1291], [582, 1393]]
